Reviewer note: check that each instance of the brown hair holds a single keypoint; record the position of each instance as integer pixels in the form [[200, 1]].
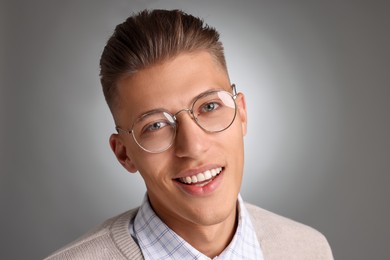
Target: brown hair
[[150, 37]]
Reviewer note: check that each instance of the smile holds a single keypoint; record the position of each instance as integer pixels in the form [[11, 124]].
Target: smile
[[201, 178]]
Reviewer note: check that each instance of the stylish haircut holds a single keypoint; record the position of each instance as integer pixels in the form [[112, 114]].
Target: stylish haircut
[[151, 37]]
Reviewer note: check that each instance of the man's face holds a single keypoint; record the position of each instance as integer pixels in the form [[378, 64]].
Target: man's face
[[172, 85]]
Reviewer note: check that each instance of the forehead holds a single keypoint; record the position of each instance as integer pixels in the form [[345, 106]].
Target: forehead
[[171, 84]]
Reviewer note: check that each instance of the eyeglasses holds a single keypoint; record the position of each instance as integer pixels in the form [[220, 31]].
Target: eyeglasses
[[212, 111]]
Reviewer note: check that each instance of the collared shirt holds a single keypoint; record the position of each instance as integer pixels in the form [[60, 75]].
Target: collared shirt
[[158, 241]]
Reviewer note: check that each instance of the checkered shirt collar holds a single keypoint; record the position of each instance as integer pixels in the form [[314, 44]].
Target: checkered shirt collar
[[158, 241]]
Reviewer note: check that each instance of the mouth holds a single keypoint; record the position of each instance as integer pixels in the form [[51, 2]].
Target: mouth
[[201, 179]]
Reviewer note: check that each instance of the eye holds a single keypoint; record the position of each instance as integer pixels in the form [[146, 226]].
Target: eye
[[209, 107], [154, 126]]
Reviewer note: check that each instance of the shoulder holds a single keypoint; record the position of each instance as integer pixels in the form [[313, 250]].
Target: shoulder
[[110, 240], [283, 238]]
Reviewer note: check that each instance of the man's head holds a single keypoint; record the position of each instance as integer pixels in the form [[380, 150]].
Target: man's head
[[152, 37], [196, 180]]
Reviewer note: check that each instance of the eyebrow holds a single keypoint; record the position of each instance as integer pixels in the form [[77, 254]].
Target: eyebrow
[[161, 109]]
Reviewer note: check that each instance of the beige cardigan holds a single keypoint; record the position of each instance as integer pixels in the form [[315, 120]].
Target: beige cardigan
[[279, 238]]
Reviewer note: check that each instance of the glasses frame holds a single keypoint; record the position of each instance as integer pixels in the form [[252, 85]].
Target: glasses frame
[[174, 117]]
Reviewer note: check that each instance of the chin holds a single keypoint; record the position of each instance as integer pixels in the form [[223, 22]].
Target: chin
[[213, 213]]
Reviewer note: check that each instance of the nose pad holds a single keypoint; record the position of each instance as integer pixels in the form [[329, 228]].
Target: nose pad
[[190, 140], [191, 115], [184, 110]]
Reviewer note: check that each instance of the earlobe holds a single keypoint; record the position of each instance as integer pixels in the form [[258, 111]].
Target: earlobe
[[241, 109], [120, 151]]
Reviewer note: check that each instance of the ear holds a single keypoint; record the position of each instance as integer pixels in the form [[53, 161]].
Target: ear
[[241, 107], [120, 151]]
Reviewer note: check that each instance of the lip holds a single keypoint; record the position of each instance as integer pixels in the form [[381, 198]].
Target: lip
[[199, 191], [195, 171]]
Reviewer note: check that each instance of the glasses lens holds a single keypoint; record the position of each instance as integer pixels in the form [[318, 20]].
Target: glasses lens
[[155, 132], [215, 111]]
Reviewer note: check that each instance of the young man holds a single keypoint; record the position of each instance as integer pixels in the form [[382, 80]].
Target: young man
[[181, 124]]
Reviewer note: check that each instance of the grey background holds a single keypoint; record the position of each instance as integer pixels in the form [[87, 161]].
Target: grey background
[[316, 78]]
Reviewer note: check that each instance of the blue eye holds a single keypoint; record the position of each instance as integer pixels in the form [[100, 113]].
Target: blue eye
[[155, 126], [209, 107]]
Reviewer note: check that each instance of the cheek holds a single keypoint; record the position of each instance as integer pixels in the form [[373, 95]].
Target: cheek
[[154, 168], [236, 145], [236, 134]]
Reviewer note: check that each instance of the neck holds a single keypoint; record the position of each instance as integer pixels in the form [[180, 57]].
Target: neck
[[208, 239], [211, 240]]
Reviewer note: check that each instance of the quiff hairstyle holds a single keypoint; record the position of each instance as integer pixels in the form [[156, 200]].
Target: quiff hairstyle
[[151, 37]]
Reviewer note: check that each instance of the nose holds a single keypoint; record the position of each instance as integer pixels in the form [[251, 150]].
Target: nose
[[191, 141]]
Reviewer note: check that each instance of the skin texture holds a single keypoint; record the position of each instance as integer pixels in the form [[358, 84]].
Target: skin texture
[[206, 220]]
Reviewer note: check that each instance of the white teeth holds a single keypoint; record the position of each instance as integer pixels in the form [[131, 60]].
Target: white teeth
[[207, 175], [201, 184], [202, 176]]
